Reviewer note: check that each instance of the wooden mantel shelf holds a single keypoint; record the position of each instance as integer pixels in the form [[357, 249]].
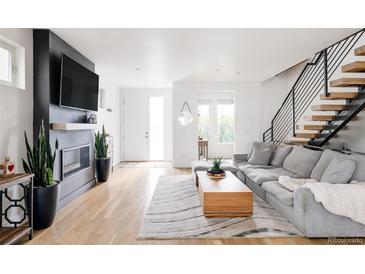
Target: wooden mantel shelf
[[73, 126]]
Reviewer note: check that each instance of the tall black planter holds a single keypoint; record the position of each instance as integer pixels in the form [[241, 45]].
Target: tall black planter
[[102, 169], [45, 200]]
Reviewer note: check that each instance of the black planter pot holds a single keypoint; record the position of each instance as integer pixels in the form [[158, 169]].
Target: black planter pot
[[45, 201], [215, 171], [102, 169]]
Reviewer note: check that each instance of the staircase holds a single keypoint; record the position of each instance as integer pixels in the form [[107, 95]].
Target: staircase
[[332, 103]]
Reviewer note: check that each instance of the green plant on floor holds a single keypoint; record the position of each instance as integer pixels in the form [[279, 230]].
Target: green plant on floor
[[40, 160], [217, 161], [101, 146]]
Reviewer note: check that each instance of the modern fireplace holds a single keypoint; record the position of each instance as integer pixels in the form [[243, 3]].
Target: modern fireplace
[[74, 160]]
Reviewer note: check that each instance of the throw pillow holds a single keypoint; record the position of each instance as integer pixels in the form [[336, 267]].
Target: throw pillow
[[261, 153], [301, 161], [325, 160], [339, 171], [279, 155], [266, 144]]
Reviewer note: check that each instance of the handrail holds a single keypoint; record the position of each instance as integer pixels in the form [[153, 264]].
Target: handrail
[[312, 79], [347, 37]]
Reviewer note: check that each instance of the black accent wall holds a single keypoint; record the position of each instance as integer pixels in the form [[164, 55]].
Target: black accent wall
[[47, 70]]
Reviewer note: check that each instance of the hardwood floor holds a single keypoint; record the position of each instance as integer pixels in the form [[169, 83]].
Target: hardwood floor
[[112, 212]]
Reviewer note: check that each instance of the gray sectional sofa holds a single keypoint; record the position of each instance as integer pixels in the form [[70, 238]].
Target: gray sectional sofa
[[299, 207]]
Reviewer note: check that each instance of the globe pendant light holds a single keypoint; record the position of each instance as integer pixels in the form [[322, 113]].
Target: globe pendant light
[[186, 116]]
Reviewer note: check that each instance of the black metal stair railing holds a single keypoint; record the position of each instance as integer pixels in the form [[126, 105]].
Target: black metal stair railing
[[353, 108], [313, 79]]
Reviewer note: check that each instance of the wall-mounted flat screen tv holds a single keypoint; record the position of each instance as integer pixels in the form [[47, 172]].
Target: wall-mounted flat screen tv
[[79, 86]]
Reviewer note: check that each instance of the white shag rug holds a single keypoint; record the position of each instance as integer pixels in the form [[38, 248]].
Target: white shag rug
[[175, 212]]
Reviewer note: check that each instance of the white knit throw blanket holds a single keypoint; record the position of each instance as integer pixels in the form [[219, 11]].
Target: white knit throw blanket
[[292, 184], [341, 199]]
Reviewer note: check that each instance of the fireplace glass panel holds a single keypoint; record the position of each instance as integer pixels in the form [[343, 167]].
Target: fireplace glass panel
[[74, 160]]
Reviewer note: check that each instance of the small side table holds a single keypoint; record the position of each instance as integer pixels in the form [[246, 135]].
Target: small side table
[[10, 235], [203, 149]]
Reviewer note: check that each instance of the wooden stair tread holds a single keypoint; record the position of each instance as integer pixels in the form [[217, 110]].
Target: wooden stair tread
[[357, 66], [347, 82], [360, 51], [9, 235], [328, 107], [314, 127], [320, 117], [306, 135], [339, 95]]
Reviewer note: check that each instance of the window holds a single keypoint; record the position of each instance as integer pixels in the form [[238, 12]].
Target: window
[[7, 64], [203, 119], [225, 121]]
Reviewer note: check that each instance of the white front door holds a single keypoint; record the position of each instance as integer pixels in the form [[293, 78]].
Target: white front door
[[136, 128]]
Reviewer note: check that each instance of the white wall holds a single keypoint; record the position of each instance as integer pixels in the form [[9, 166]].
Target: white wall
[[167, 95], [247, 117], [353, 135], [274, 91], [16, 105], [111, 120]]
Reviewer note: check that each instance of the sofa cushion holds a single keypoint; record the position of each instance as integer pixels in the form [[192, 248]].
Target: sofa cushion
[[328, 155], [240, 166], [261, 153], [280, 192], [279, 155], [324, 161], [259, 175], [359, 173], [238, 158], [301, 161], [339, 171]]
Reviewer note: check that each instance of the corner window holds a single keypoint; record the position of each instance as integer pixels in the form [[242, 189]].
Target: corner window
[[7, 64], [225, 121]]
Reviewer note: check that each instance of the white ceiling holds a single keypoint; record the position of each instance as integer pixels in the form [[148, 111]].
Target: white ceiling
[[158, 57]]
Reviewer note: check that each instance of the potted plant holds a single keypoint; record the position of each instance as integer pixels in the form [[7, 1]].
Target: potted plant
[[40, 162], [216, 170], [102, 159]]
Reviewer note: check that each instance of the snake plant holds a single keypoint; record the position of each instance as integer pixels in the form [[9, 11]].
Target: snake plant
[[101, 146], [217, 161], [40, 160]]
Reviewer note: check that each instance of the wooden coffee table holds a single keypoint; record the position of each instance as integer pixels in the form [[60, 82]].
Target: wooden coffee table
[[227, 197]]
